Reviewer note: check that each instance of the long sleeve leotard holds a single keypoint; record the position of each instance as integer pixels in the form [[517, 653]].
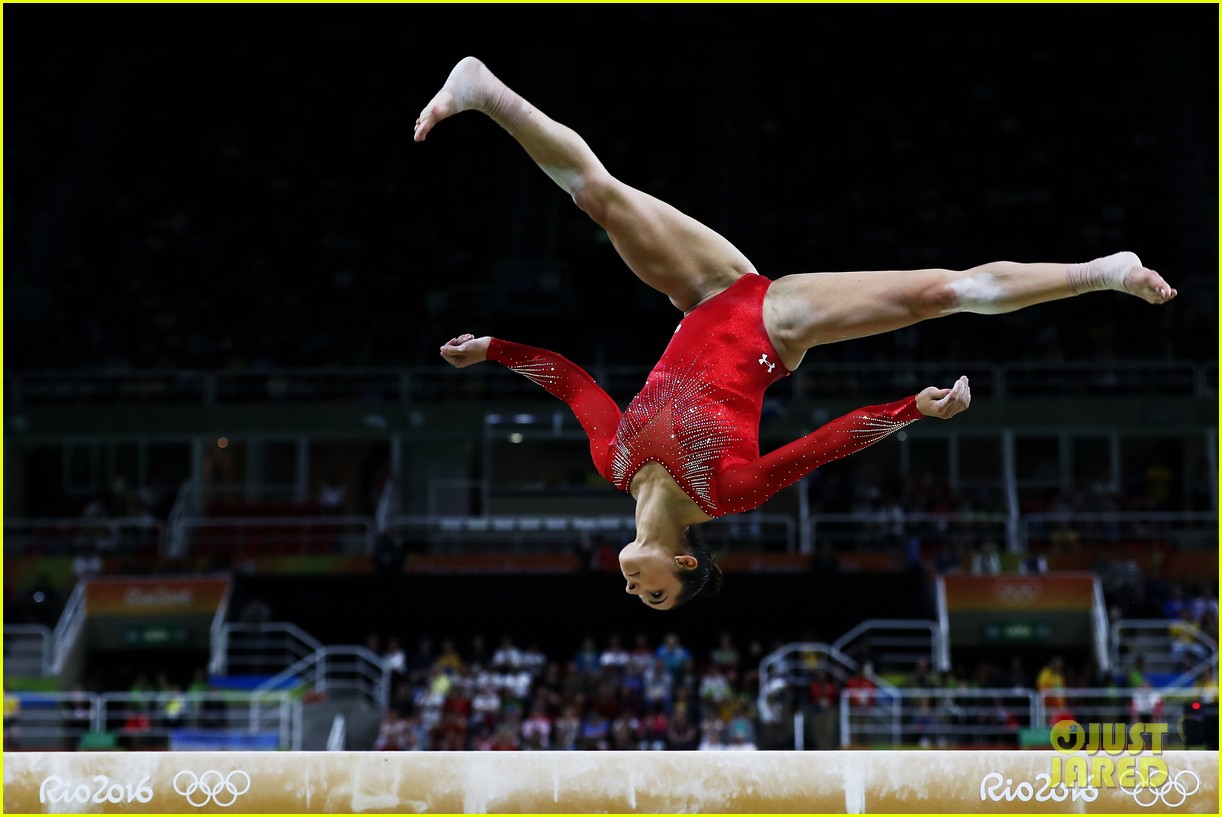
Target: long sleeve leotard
[[707, 440], [698, 413]]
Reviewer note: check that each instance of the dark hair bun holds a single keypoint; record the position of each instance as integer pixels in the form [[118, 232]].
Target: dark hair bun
[[713, 586]]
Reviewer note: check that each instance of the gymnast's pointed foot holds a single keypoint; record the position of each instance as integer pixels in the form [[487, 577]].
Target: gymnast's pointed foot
[[1122, 272], [470, 86]]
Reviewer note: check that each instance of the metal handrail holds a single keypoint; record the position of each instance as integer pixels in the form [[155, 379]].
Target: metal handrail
[[776, 671], [872, 624], [364, 523], [68, 629], [15, 636], [425, 383], [1160, 629]]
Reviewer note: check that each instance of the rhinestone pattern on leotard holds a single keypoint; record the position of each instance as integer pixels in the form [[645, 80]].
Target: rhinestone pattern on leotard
[[698, 413]]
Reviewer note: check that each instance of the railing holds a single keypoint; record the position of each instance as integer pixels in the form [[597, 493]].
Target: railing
[[561, 534], [892, 645], [1167, 646], [939, 718], [62, 720], [260, 649], [27, 650], [282, 535], [880, 532], [186, 387], [793, 666], [338, 735], [886, 530], [1122, 705], [119, 536], [339, 672], [1188, 530], [187, 504], [68, 629], [218, 636], [291, 657]]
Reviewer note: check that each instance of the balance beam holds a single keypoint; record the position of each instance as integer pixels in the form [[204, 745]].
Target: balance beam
[[844, 782]]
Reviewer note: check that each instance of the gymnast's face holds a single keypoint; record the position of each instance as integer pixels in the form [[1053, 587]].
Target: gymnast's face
[[652, 573]]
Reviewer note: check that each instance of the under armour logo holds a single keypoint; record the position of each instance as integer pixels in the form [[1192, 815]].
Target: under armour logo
[[764, 362]]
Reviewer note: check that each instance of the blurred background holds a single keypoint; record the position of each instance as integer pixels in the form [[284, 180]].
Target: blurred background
[[246, 505]]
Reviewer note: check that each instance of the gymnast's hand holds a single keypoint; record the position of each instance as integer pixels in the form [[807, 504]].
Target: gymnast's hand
[[945, 403], [467, 349]]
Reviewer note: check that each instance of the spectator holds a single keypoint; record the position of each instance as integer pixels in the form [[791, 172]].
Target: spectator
[[1016, 675], [534, 660], [676, 657], [740, 741], [924, 723], [449, 659], [477, 656], [725, 655], [567, 729], [537, 729], [681, 733], [715, 689], [395, 659], [742, 723], [1146, 706], [588, 657], [921, 677], [486, 705], [12, 710], [1051, 681], [1185, 638], [615, 656], [1137, 677], [659, 684], [625, 732], [507, 656], [420, 662], [986, 561], [641, 656], [712, 733], [402, 700], [861, 687], [655, 729], [392, 734], [505, 737], [255, 612], [825, 711], [595, 731]]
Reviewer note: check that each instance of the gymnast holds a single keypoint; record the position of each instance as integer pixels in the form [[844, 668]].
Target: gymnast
[[686, 447]]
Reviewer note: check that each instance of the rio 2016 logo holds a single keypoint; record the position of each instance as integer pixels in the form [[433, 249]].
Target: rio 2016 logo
[[212, 787], [55, 790]]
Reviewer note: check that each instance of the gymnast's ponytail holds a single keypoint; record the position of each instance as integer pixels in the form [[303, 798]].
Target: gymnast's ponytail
[[705, 578]]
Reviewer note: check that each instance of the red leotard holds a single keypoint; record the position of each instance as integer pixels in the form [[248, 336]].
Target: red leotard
[[698, 414]]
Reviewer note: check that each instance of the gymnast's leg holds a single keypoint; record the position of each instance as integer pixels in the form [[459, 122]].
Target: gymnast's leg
[[669, 251], [807, 309]]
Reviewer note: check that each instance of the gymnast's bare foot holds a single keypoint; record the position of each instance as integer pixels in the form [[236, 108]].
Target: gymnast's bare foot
[[1122, 272], [1148, 285], [470, 85]]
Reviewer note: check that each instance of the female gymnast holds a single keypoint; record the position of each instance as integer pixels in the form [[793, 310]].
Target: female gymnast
[[686, 448]]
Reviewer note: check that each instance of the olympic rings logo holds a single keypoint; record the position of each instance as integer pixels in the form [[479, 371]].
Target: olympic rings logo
[[1176, 787], [212, 787]]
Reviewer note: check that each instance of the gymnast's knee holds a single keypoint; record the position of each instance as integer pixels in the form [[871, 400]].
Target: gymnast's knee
[[596, 194], [943, 297]]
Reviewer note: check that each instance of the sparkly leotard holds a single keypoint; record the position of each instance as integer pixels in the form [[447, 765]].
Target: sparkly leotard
[[698, 414]]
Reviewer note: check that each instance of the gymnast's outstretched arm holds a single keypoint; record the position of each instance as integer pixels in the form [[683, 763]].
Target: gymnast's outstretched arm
[[748, 486], [595, 410]]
